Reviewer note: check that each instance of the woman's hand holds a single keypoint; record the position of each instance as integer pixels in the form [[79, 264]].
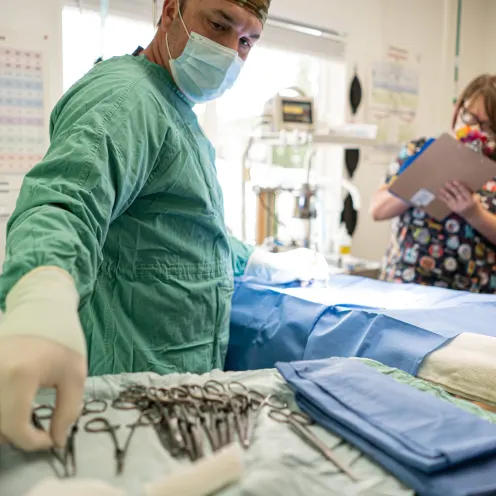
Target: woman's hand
[[459, 199]]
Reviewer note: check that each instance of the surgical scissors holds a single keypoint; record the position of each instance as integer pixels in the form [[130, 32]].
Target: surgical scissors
[[45, 412], [257, 402], [54, 452], [300, 422], [250, 400], [103, 425]]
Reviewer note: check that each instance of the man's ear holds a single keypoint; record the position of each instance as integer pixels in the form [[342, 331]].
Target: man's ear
[[170, 11]]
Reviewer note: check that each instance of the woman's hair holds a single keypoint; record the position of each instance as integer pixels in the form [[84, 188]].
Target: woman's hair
[[485, 86]]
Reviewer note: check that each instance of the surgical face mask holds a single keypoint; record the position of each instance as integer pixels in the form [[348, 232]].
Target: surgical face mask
[[205, 69], [476, 139]]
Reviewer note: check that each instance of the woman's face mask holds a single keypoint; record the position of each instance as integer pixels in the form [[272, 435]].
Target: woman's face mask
[[205, 69]]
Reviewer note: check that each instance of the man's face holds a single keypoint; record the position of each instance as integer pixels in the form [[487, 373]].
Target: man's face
[[221, 21]]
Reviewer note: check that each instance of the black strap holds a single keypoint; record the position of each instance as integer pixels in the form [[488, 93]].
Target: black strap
[[138, 51]]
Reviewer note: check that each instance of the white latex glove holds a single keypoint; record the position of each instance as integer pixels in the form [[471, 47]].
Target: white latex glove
[[41, 345], [300, 264], [74, 487]]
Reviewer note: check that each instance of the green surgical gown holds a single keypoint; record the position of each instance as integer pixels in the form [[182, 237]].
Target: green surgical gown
[[128, 202]]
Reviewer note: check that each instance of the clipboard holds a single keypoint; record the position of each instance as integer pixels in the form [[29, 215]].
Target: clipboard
[[447, 159]]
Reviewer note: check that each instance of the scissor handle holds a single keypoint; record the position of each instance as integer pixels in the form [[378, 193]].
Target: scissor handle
[[240, 401], [124, 404], [290, 417], [100, 424], [272, 401], [136, 389], [94, 406], [43, 412], [152, 391], [220, 399], [195, 391], [237, 388], [148, 418], [214, 387], [162, 395], [279, 416], [276, 402], [178, 392], [301, 418], [133, 393]]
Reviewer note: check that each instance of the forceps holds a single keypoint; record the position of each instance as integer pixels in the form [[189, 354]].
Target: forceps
[[36, 419], [300, 422], [251, 400], [45, 412], [257, 402], [102, 425], [217, 397]]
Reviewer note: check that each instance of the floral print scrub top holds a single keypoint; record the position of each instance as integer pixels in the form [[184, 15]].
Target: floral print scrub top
[[449, 254]]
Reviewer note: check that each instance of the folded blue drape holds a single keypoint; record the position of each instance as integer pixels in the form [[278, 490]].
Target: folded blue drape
[[431, 445]]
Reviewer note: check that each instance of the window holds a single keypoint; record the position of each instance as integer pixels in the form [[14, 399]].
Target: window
[[84, 40]]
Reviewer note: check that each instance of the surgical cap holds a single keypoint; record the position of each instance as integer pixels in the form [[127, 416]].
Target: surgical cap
[[258, 7]]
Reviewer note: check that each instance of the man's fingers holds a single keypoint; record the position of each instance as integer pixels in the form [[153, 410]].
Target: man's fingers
[[70, 393], [17, 393]]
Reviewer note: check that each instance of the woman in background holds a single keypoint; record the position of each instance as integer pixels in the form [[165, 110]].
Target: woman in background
[[459, 252]]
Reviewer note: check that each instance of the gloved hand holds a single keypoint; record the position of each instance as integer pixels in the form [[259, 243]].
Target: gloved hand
[[301, 264], [41, 345]]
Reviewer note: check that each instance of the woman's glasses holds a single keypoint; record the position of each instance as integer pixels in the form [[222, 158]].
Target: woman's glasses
[[470, 119]]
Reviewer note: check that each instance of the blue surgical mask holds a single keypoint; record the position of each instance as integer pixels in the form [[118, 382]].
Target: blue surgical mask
[[205, 69]]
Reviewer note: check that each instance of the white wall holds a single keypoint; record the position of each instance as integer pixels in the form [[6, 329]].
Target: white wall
[[424, 27], [32, 25], [490, 58], [30, 18], [477, 39]]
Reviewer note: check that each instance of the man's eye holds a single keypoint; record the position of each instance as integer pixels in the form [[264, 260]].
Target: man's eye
[[245, 42], [217, 26]]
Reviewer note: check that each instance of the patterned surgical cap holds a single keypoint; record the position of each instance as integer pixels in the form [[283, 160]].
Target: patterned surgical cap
[[258, 7]]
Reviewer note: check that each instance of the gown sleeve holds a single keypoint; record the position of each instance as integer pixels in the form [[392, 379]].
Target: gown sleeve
[[240, 254], [103, 149]]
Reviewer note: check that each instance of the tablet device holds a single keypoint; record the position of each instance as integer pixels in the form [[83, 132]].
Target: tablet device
[[447, 159]]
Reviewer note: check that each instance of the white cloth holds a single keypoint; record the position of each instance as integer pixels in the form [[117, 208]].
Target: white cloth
[[300, 264], [466, 367]]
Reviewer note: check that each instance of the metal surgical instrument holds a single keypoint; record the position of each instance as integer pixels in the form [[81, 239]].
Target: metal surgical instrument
[[300, 422]]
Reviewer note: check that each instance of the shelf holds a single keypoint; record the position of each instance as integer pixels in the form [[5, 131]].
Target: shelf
[[317, 139], [344, 141]]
